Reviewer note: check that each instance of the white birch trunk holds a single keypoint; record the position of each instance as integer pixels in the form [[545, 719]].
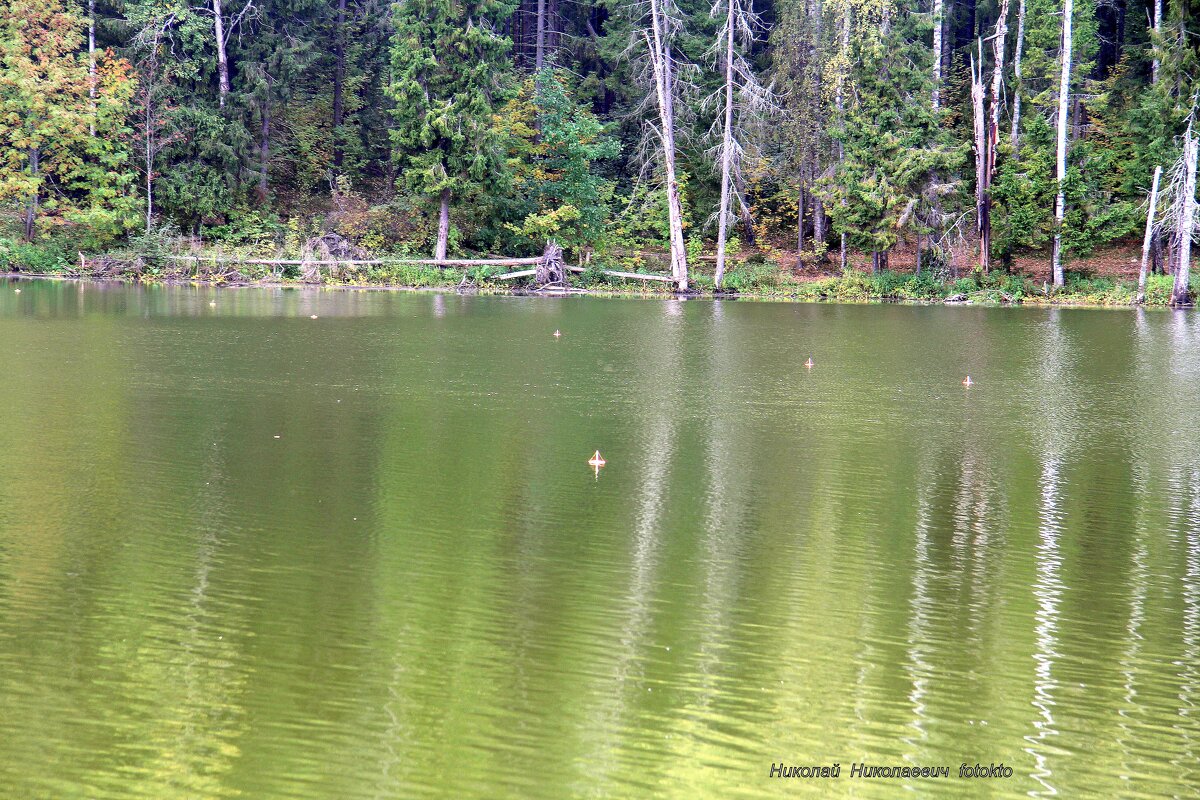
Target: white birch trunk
[[1149, 238], [1064, 92]]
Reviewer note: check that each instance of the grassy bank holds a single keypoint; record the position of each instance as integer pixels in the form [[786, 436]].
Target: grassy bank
[[752, 278]]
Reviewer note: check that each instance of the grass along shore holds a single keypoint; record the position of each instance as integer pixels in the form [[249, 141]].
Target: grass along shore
[[752, 278]]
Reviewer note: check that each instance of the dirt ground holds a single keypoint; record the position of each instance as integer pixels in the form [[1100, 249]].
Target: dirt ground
[[1119, 261]]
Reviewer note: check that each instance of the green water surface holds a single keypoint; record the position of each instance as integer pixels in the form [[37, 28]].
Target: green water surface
[[247, 553]]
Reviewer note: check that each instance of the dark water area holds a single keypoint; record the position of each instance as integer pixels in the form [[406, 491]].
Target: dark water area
[[248, 553]]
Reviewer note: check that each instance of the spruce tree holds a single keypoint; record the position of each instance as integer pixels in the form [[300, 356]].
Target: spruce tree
[[448, 66]]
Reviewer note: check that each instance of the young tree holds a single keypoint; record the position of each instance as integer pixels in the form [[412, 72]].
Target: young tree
[[448, 61]]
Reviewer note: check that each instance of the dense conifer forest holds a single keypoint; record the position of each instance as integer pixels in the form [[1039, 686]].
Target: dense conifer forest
[[711, 142]]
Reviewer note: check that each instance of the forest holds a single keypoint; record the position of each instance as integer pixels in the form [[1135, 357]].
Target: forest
[[722, 144]]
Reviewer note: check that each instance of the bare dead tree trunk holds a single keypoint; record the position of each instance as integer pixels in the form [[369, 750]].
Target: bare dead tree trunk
[[661, 58], [1017, 86], [222, 58], [443, 233], [726, 146], [339, 85], [1149, 239], [1064, 93], [1181, 295]]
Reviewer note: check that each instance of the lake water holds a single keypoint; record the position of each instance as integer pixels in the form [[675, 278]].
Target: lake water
[[246, 553]]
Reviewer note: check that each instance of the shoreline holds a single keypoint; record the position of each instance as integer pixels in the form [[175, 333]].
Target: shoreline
[[984, 298]]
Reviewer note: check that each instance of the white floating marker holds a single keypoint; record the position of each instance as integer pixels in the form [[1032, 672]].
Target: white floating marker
[[808, 364], [314, 316], [558, 333], [968, 382], [596, 460]]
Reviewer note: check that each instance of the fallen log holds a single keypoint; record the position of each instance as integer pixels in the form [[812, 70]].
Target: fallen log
[[449, 262]]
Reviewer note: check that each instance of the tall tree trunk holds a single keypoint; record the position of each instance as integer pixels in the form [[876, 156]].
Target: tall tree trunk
[[1156, 62], [938, 24], [339, 85], [799, 224], [148, 152], [726, 146], [92, 66], [1064, 97], [1015, 139], [1181, 295], [993, 133], [264, 147], [31, 208], [222, 59], [840, 103], [1149, 238], [664, 87], [443, 233], [540, 49], [979, 127]]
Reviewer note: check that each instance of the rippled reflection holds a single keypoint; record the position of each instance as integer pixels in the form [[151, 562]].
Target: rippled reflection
[[246, 553]]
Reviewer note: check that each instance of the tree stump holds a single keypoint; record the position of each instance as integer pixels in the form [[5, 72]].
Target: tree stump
[[550, 269]]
